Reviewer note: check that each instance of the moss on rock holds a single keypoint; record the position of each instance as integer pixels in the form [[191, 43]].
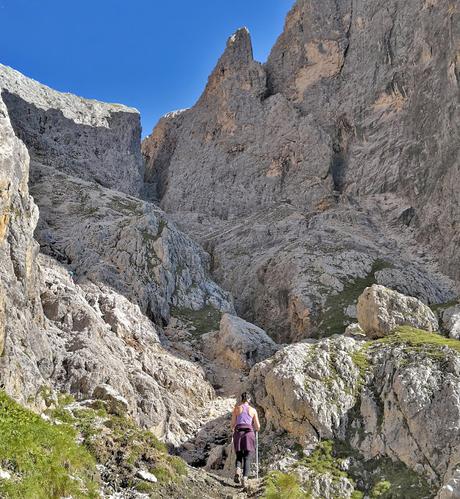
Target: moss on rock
[[203, 321]]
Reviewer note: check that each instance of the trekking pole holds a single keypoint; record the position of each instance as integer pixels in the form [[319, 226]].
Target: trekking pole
[[257, 455]]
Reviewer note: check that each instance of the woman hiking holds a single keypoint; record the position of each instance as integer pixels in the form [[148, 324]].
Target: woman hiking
[[245, 422]]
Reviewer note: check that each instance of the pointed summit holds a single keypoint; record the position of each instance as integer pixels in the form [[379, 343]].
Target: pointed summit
[[239, 47], [236, 69]]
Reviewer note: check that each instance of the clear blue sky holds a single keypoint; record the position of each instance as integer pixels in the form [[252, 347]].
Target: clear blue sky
[[154, 55]]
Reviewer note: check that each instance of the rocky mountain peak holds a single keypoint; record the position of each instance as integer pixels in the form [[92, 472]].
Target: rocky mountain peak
[[236, 71], [239, 47]]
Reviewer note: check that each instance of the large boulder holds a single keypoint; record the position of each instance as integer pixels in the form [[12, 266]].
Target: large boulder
[[238, 343], [308, 388], [451, 321], [381, 310]]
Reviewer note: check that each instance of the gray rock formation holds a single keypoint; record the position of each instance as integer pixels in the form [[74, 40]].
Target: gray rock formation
[[89, 139], [21, 340], [238, 344], [381, 310], [308, 388], [384, 399], [123, 242], [100, 338], [451, 321], [383, 78], [86, 319], [294, 173]]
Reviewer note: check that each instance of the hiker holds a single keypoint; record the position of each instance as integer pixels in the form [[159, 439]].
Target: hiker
[[245, 422]]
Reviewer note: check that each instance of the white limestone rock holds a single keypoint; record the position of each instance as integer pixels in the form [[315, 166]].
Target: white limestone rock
[[451, 321], [238, 343], [147, 476], [381, 310], [115, 403], [308, 388]]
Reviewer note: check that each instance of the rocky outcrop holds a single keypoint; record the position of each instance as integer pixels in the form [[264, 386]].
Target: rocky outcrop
[[307, 389], [104, 347], [381, 310], [409, 408], [92, 140], [238, 344], [124, 243], [23, 346], [396, 397], [451, 321]]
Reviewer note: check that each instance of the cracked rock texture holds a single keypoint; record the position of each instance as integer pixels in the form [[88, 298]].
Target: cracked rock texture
[[86, 317], [405, 406], [293, 173]]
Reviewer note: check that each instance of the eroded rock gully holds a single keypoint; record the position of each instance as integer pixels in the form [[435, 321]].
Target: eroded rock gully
[[228, 251]]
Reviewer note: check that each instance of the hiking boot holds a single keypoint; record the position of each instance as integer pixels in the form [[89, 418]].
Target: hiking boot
[[237, 478], [245, 483]]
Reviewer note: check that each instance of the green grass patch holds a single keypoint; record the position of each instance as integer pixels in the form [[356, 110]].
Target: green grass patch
[[360, 359], [45, 459], [322, 461], [418, 341], [333, 318], [380, 488], [204, 320], [283, 486]]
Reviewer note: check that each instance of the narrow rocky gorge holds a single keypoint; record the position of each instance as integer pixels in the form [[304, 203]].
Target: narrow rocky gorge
[[293, 234]]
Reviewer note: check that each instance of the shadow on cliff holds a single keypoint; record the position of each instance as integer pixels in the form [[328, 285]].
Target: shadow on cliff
[[109, 155]]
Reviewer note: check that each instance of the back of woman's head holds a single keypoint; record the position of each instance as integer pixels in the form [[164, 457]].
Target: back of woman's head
[[245, 397]]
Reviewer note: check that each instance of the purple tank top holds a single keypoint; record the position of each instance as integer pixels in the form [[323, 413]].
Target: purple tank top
[[244, 417]]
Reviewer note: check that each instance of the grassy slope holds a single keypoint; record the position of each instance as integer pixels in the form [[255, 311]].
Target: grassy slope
[[44, 459]]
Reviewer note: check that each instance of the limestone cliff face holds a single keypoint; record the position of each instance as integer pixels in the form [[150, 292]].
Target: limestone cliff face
[[345, 140], [383, 78], [90, 312], [21, 343], [243, 154], [89, 139]]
